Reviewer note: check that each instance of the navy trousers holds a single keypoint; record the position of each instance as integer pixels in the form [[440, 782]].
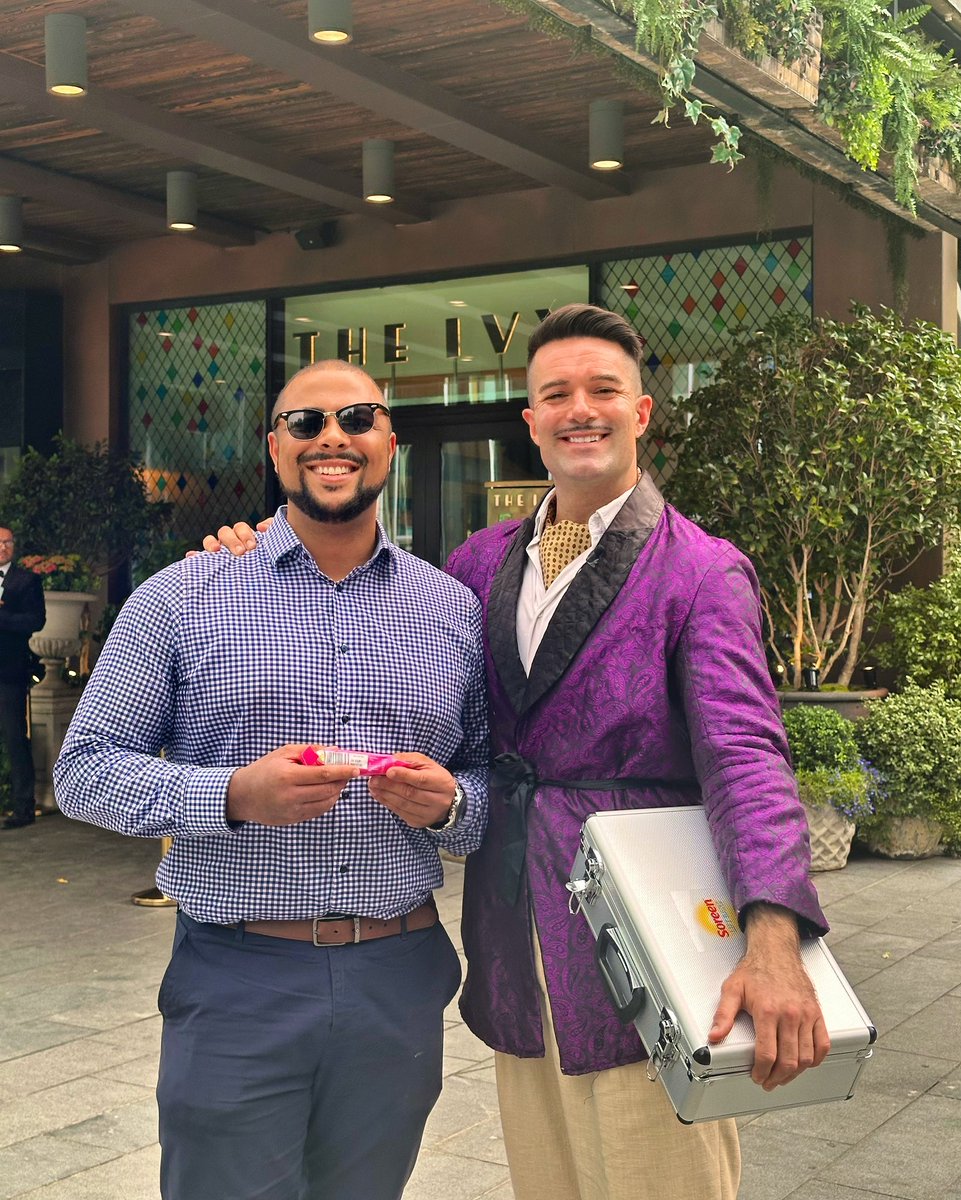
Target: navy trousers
[[295, 1072]]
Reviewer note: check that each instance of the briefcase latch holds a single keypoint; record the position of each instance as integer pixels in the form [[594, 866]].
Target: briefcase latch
[[664, 1050], [584, 890]]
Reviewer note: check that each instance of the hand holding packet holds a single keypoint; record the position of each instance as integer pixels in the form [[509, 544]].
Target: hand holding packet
[[368, 764]]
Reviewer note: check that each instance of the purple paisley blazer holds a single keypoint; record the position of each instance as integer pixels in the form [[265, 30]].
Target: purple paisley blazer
[[653, 669]]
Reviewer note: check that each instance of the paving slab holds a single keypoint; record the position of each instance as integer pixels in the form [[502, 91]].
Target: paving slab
[[80, 1037], [916, 1154]]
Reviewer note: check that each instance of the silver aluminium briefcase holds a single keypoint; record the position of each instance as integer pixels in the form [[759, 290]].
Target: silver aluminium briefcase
[[650, 885]]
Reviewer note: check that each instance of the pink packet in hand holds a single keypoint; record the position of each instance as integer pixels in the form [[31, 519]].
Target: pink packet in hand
[[369, 764]]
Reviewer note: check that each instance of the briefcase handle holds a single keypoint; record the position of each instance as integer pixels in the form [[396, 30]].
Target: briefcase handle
[[607, 945]]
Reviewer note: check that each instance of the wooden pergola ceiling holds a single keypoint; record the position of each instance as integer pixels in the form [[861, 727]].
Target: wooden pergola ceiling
[[476, 102]]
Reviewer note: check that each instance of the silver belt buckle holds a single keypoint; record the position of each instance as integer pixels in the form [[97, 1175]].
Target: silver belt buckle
[[323, 920]]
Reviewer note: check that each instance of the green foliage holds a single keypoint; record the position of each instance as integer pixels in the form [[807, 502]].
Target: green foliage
[[847, 792], [887, 88], [925, 628], [670, 30], [86, 500], [913, 740], [820, 739], [830, 452]]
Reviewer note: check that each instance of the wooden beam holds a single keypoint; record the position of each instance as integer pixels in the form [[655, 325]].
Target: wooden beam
[[58, 249], [55, 188], [259, 34], [181, 138]]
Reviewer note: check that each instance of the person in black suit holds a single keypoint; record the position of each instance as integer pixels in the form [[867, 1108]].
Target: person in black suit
[[22, 612]]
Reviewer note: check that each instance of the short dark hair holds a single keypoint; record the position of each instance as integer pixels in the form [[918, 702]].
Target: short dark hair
[[587, 320]]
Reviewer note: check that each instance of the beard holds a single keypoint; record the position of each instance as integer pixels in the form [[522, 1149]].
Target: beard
[[304, 499]]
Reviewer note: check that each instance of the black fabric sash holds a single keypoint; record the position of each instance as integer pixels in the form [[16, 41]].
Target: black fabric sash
[[513, 782]]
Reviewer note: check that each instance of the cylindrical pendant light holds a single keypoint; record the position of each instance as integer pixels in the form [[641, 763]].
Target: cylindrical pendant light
[[65, 47], [181, 200], [378, 171], [11, 224], [606, 135], [330, 21]]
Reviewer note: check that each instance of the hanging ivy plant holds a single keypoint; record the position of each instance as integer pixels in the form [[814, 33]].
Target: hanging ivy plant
[[671, 31], [885, 86]]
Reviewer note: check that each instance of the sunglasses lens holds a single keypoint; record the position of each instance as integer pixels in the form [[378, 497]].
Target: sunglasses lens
[[356, 418], [305, 424]]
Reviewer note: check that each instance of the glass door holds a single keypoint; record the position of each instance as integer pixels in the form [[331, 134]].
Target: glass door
[[436, 496]]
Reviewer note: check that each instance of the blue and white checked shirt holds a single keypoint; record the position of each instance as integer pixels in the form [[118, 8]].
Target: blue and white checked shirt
[[219, 660]]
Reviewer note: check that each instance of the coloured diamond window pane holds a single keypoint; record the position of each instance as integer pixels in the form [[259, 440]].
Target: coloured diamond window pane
[[676, 302], [209, 441]]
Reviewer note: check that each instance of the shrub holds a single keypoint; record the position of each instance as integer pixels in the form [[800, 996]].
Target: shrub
[[913, 740], [86, 500], [925, 627], [820, 739]]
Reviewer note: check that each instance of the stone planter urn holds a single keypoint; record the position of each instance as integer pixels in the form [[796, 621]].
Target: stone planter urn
[[905, 837], [60, 636], [831, 837], [52, 702]]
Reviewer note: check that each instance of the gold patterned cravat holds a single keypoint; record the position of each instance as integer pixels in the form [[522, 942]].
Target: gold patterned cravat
[[561, 542]]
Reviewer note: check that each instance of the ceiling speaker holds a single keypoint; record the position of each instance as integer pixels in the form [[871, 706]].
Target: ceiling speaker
[[317, 237]]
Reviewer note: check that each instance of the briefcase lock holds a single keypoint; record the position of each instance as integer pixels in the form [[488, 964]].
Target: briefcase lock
[[664, 1050], [584, 890]]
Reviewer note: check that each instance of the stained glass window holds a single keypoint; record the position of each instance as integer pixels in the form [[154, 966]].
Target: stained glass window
[[197, 398], [689, 306]]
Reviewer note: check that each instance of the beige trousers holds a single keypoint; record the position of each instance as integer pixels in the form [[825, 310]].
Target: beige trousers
[[610, 1135]]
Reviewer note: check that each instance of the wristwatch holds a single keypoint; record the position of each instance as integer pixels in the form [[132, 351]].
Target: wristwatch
[[454, 813]]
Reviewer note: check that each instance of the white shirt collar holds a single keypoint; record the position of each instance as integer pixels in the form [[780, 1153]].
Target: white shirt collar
[[598, 522]]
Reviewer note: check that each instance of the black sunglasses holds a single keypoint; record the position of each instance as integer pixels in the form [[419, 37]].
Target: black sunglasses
[[306, 423]]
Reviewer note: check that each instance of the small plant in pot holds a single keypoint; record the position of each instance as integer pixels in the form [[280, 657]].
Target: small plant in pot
[[913, 739], [836, 787]]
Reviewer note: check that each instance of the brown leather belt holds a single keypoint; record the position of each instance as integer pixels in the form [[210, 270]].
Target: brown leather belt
[[344, 930]]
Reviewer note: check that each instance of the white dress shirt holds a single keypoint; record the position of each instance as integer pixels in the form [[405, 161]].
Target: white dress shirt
[[537, 604]]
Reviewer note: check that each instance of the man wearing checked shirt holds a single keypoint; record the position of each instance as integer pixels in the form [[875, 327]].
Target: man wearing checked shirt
[[304, 998]]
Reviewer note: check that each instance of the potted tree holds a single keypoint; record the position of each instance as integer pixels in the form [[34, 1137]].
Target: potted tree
[[830, 452], [836, 788], [88, 501], [913, 740]]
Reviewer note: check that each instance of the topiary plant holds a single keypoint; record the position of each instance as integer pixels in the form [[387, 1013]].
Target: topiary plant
[[820, 739]]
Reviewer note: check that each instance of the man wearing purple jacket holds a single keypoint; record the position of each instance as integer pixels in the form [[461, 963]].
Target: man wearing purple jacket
[[631, 676], [626, 669]]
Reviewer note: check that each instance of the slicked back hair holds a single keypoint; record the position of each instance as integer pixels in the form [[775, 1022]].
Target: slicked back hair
[[587, 320]]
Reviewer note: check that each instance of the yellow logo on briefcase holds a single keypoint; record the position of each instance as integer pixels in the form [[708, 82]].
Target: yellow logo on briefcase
[[717, 917]]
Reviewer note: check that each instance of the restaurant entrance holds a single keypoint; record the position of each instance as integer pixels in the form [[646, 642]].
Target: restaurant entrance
[[436, 496]]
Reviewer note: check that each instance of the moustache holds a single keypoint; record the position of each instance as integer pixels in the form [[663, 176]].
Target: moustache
[[573, 429]]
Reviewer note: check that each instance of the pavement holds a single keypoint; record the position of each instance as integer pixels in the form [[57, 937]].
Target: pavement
[[79, 1037]]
